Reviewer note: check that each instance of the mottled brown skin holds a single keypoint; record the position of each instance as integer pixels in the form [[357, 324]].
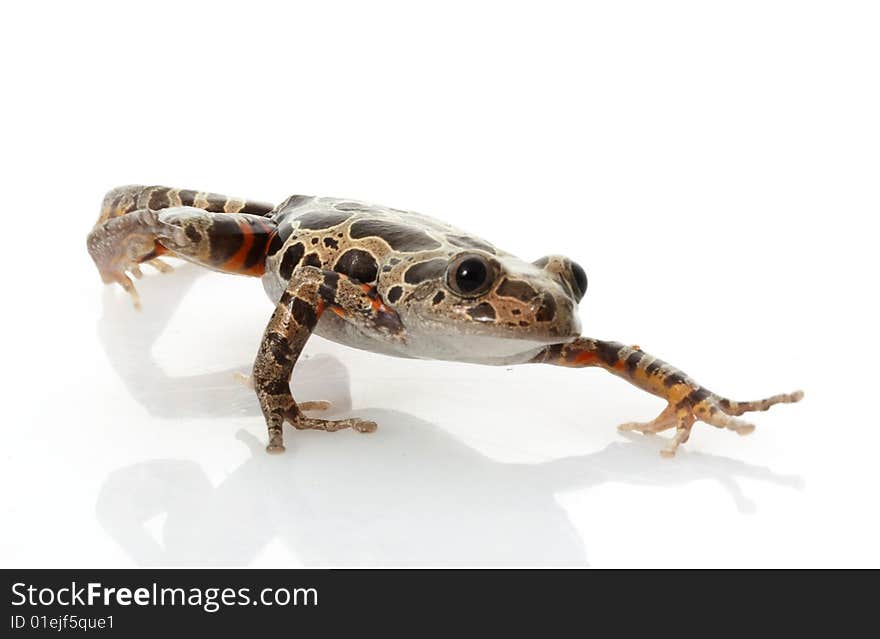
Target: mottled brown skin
[[392, 282]]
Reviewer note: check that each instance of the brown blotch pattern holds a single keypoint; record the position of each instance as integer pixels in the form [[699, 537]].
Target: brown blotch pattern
[[483, 312], [279, 238], [312, 259], [547, 310], [291, 259], [193, 234], [159, 200], [394, 293], [358, 265]]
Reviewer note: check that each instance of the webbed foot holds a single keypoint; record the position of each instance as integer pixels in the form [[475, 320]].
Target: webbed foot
[[301, 422], [121, 244], [332, 425], [700, 405]]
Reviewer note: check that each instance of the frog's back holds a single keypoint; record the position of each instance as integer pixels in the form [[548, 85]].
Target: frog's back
[[374, 245]]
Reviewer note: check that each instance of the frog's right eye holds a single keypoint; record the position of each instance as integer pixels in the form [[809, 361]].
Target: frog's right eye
[[470, 275], [578, 280], [570, 272]]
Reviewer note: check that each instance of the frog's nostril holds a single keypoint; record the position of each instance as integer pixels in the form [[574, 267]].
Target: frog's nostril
[[544, 308]]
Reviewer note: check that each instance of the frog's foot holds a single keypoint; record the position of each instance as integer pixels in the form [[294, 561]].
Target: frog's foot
[[295, 417], [244, 379], [160, 265], [701, 405], [156, 263], [317, 404], [120, 244], [330, 425]]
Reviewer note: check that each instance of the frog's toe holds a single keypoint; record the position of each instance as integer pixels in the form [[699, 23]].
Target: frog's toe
[[121, 272], [714, 415], [665, 420], [318, 404], [673, 416], [646, 428], [160, 265], [122, 278], [364, 426], [244, 379]]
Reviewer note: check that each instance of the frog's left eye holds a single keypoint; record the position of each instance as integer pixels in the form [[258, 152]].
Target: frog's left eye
[[470, 275]]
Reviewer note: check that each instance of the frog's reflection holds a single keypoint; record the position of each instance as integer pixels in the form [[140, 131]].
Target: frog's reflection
[[409, 494]]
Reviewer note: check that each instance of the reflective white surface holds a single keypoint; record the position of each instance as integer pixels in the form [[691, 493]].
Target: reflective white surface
[[149, 452], [713, 168]]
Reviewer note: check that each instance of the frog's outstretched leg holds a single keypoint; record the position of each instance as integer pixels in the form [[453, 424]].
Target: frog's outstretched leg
[[688, 402], [309, 293], [140, 223]]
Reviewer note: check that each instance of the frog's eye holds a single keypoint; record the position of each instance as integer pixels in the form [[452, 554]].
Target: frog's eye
[[470, 275], [571, 273], [579, 280]]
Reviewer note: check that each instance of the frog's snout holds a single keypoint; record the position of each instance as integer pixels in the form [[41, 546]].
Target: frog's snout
[[557, 313]]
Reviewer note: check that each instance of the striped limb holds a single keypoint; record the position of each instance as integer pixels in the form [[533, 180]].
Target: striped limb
[[138, 224], [310, 293], [688, 402]]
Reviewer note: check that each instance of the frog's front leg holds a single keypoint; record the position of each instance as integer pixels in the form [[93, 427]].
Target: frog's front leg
[[688, 402], [311, 292]]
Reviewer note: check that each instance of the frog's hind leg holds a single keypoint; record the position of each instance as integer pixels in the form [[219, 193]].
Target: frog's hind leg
[[687, 401], [139, 224], [309, 293]]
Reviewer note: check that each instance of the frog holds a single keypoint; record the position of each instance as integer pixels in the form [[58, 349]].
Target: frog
[[393, 282]]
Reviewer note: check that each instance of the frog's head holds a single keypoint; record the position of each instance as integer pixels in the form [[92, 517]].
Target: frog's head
[[476, 298]]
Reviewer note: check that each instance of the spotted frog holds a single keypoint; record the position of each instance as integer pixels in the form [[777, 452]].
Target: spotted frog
[[389, 281]]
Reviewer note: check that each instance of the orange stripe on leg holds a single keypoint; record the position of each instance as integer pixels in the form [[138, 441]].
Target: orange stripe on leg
[[236, 262]]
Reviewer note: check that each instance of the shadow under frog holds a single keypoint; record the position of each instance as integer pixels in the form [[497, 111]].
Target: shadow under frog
[[409, 494]]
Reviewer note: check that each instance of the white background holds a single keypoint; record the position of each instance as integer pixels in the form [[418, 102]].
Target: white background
[[713, 166]]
